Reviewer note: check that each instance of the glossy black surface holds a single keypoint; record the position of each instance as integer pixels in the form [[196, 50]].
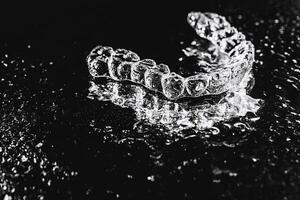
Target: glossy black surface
[[55, 143]]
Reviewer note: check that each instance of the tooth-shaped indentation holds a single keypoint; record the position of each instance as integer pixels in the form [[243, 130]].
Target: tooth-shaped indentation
[[193, 18], [163, 68], [219, 82], [153, 76], [103, 52], [124, 70], [97, 61], [98, 68], [132, 57], [115, 63], [196, 85], [139, 68], [172, 85]]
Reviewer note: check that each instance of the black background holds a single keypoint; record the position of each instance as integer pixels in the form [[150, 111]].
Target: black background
[[58, 144]]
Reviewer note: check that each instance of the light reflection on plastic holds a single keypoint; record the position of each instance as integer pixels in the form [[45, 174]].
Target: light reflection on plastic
[[176, 116]]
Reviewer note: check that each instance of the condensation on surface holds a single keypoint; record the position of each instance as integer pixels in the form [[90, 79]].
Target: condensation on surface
[[25, 167]]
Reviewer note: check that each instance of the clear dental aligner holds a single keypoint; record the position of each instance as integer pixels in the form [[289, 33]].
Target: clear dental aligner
[[226, 42]]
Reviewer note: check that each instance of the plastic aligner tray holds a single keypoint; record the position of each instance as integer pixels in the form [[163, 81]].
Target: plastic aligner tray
[[122, 64]]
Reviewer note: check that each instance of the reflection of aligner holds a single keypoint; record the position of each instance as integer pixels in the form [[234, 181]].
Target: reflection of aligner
[[123, 64], [148, 106]]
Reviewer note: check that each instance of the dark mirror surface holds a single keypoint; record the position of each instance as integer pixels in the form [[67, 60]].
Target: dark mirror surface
[[55, 143]]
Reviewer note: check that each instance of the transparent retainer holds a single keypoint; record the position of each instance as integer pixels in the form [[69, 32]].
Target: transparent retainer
[[125, 65]]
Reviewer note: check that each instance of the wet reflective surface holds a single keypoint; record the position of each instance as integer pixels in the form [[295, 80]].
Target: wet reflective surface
[[56, 143]]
